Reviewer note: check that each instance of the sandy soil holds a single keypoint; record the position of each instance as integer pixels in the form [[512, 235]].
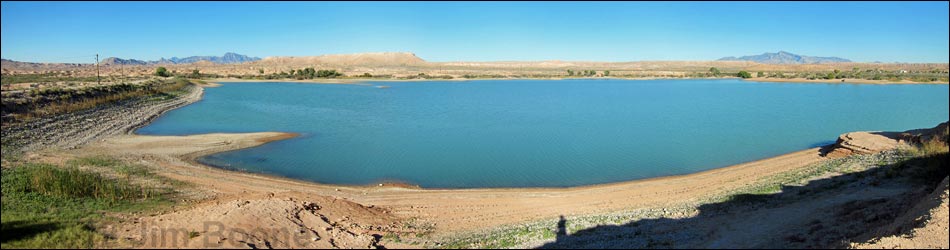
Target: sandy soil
[[286, 220], [933, 234]]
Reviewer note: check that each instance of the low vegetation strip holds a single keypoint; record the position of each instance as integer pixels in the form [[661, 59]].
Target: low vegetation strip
[[44, 78], [54, 206], [23, 106], [72, 182]]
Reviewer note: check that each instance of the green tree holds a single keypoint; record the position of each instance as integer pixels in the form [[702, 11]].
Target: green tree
[[714, 71], [760, 74], [195, 74], [332, 73], [831, 75], [570, 72], [261, 71], [162, 71], [606, 72], [744, 74], [309, 73]]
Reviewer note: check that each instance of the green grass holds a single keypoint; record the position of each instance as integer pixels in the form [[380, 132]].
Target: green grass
[[119, 167], [392, 237], [49, 206], [97, 161], [71, 182]]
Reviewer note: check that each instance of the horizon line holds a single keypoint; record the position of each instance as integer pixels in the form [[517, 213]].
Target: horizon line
[[414, 54]]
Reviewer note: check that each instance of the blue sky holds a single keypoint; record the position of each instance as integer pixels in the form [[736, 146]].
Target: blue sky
[[477, 31]]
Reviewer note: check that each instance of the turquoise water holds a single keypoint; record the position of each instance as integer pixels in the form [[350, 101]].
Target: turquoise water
[[518, 133]]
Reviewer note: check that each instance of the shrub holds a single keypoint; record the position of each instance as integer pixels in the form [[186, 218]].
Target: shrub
[[744, 74], [162, 71]]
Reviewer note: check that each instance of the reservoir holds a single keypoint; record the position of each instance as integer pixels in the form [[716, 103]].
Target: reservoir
[[538, 133]]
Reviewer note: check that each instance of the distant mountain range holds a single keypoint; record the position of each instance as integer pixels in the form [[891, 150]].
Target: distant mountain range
[[783, 57], [371, 58], [120, 61], [228, 58]]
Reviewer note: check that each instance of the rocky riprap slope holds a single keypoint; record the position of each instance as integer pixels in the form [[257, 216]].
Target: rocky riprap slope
[[74, 129]]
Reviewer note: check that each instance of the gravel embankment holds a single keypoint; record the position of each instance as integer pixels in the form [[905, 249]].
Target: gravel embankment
[[74, 129]]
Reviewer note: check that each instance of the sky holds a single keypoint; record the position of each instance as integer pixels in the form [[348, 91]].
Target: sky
[[477, 31]]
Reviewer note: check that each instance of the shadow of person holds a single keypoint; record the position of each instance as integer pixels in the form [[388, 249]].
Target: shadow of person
[[561, 229]]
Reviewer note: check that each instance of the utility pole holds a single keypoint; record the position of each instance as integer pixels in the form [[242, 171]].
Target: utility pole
[[97, 70]]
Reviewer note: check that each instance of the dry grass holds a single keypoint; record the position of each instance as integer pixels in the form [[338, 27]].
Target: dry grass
[[51, 102]]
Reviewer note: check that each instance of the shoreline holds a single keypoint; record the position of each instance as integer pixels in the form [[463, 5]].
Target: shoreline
[[217, 82], [448, 211], [840, 81], [277, 136], [452, 211]]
